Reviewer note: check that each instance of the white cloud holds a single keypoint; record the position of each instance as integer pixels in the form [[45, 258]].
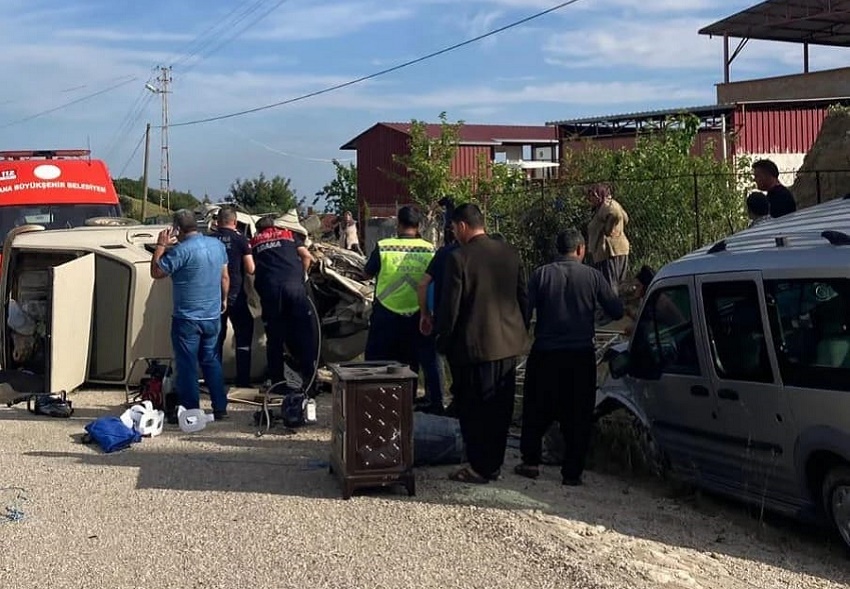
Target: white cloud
[[329, 20], [123, 36]]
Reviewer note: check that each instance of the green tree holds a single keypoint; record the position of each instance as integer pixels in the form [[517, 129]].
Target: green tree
[[340, 194], [427, 167], [263, 195], [676, 201], [134, 189]]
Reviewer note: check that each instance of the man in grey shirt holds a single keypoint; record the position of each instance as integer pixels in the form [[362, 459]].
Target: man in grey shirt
[[560, 377]]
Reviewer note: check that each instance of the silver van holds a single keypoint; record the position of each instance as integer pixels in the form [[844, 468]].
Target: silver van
[[739, 366]]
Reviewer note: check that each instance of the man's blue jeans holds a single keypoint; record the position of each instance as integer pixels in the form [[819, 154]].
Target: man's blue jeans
[[432, 369], [196, 342]]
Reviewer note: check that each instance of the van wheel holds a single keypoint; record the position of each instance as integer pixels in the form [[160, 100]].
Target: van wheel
[[836, 500], [653, 456]]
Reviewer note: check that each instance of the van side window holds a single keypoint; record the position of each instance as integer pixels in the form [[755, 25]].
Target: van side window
[[664, 338], [809, 319], [735, 331]]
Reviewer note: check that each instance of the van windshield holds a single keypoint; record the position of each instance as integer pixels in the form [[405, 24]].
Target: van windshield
[[55, 216]]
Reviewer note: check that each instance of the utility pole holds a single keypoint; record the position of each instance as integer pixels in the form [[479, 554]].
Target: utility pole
[[145, 173], [163, 80]]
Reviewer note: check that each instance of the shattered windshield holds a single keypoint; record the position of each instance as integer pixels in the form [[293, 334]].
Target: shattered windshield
[[62, 216]]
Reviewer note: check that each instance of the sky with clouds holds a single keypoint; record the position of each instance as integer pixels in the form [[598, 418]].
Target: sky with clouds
[[594, 57]]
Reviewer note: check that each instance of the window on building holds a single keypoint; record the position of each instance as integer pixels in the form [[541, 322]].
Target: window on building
[[664, 340], [735, 331], [809, 319]]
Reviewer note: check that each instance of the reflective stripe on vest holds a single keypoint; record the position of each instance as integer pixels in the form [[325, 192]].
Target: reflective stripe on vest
[[403, 263]]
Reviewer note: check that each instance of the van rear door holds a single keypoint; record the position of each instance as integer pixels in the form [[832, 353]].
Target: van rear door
[[69, 328]]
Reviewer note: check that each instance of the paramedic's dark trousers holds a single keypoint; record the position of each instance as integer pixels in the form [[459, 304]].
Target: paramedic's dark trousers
[[559, 386], [290, 324], [485, 405], [393, 337], [243, 335]]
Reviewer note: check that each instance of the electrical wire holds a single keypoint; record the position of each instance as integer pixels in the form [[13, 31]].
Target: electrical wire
[[382, 72], [130, 119], [71, 103], [208, 32], [283, 153], [240, 32], [132, 155]]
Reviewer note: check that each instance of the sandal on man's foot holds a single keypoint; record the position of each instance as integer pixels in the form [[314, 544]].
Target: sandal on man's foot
[[467, 475], [528, 471]]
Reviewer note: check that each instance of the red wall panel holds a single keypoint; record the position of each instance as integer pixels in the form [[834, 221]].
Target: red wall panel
[[779, 129]]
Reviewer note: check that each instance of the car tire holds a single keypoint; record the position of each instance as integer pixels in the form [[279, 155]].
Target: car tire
[[836, 500], [652, 455]]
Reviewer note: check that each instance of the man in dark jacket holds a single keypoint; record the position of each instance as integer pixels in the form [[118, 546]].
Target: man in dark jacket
[[481, 328], [283, 261], [240, 263], [560, 374]]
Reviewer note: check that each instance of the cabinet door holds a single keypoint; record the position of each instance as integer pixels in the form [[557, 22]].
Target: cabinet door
[[379, 436], [71, 302]]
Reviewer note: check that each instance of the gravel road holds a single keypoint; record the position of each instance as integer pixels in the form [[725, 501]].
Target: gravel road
[[224, 509]]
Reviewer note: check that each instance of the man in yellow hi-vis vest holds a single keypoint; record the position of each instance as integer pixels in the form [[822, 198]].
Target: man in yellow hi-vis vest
[[399, 264]]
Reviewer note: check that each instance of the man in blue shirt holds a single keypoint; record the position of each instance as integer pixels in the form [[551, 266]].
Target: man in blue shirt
[[197, 266]]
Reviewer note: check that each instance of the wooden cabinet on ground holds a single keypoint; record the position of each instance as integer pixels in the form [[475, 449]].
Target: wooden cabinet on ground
[[372, 425]]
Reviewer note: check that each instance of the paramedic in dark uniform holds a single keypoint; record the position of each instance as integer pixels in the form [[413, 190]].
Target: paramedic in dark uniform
[[399, 263], [240, 263], [282, 262]]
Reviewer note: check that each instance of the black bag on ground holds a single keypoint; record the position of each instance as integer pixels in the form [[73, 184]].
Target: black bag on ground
[[46, 404]]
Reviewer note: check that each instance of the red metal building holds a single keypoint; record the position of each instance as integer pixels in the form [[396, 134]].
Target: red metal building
[[787, 128], [378, 146]]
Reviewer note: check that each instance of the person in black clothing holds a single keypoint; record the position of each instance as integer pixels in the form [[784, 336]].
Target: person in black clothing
[[240, 262], [430, 291], [560, 381], [766, 175], [282, 262]]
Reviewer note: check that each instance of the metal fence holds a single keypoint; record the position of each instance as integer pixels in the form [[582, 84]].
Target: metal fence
[[669, 216]]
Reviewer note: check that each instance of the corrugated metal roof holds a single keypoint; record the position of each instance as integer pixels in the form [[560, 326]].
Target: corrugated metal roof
[[710, 110], [816, 22], [478, 134]]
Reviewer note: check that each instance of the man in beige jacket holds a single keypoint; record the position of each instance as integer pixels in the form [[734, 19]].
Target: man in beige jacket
[[607, 243]]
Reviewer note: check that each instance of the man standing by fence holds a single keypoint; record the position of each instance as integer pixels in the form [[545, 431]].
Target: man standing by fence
[[607, 242], [766, 175], [560, 382]]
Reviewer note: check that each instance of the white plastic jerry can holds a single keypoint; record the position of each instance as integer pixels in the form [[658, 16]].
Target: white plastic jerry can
[[193, 420]]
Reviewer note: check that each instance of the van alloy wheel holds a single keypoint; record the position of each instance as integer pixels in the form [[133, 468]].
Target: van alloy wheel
[[836, 500]]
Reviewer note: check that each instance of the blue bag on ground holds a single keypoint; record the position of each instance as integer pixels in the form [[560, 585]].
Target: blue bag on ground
[[111, 434], [436, 440]]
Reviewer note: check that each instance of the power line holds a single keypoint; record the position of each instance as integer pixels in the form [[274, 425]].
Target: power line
[[133, 155], [383, 72], [207, 33], [285, 154], [225, 41], [71, 103], [137, 109]]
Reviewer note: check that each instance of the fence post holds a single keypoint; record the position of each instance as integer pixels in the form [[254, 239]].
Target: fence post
[[817, 185], [698, 243]]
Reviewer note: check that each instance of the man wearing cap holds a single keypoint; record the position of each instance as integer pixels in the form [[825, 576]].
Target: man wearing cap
[[399, 263], [282, 262], [197, 265]]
